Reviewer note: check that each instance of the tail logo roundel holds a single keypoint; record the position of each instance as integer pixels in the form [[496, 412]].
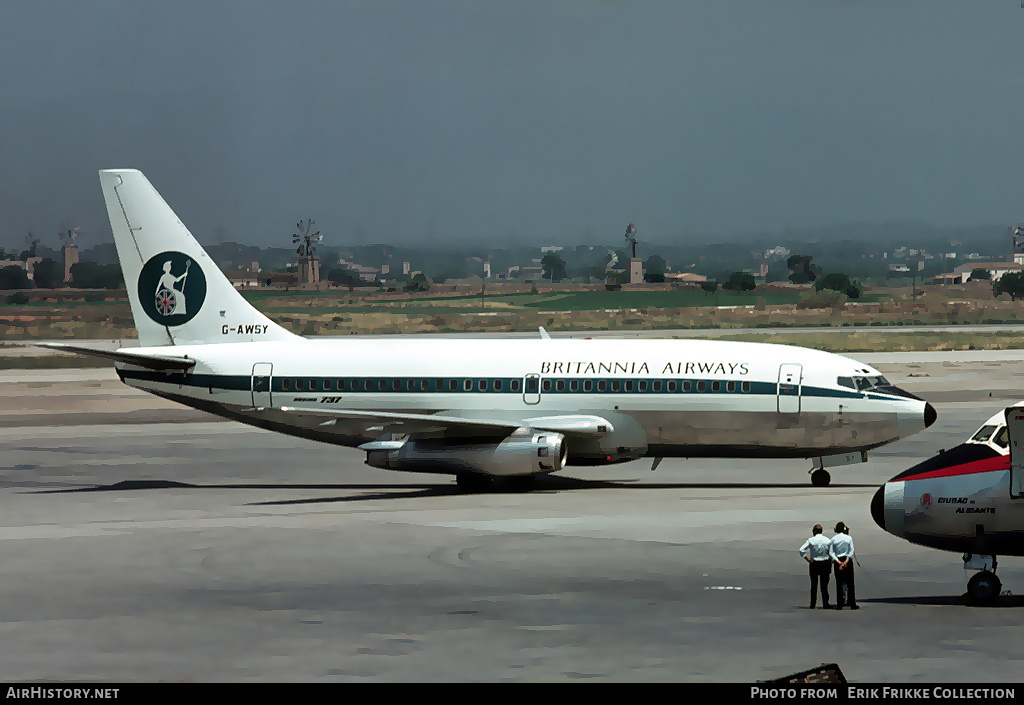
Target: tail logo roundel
[[172, 288]]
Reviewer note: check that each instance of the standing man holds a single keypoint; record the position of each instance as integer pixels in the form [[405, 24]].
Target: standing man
[[841, 551], [816, 552]]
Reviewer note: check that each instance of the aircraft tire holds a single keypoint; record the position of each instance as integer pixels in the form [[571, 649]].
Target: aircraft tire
[[820, 478], [984, 588]]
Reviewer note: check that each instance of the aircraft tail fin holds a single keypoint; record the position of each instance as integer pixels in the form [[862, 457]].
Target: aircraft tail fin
[[178, 295]]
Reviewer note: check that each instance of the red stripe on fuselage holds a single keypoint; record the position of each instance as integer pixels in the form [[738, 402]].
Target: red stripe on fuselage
[[1001, 462]]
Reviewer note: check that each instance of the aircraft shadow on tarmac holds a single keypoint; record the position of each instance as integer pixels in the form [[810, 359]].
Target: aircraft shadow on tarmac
[[946, 600], [409, 491]]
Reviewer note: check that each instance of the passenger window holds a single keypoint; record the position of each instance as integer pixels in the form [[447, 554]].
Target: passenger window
[[615, 385], [286, 384], [657, 386], [701, 386], [497, 385], [745, 386], [574, 385], [560, 385], [686, 386], [453, 385], [588, 385], [600, 385], [642, 385], [468, 385], [514, 384], [730, 386], [716, 386], [629, 385], [300, 384], [672, 386], [546, 386]]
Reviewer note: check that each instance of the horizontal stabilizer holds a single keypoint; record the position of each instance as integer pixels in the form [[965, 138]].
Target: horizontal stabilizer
[[153, 362]]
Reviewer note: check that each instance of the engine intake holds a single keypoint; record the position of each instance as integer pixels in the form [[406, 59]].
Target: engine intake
[[526, 453]]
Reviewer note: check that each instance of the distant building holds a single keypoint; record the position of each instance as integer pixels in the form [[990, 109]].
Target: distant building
[[686, 279], [995, 269], [69, 254], [243, 279]]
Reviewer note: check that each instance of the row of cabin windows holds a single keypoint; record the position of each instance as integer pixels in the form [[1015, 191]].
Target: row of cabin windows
[[510, 385]]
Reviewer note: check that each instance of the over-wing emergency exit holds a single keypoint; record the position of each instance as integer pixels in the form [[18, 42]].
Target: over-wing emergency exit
[[969, 499]]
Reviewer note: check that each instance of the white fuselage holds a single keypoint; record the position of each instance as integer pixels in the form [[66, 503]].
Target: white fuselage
[[668, 397]]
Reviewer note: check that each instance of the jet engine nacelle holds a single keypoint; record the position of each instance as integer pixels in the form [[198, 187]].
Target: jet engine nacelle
[[529, 453]]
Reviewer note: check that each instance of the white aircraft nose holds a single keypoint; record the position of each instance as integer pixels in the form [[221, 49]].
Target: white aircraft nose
[[915, 418], [887, 507]]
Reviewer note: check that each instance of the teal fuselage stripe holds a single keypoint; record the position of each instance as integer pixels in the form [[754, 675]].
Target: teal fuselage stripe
[[559, 386]]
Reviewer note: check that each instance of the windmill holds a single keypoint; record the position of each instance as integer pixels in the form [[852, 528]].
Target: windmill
[[30, 247], [69, 251], [309, 263], [1017, 236], [631, 237], [636, 271]]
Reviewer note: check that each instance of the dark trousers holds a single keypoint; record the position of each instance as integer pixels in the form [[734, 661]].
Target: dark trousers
[[819, 576], [846, 595]]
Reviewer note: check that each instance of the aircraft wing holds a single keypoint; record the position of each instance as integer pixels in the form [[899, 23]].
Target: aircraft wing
[[411, 423], [153, 362]]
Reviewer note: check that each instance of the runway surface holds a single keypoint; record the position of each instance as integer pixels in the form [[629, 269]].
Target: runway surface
[[141, 541]]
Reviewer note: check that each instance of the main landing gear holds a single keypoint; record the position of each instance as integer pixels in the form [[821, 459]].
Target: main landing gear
[[820, 478], [984, 587]]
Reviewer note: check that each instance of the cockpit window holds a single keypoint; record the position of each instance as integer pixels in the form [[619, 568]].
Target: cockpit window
[[846, 382], [983, 434], [865, 383], [1002, 437]]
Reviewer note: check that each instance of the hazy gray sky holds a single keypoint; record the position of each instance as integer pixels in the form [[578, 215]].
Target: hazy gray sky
[[534, 121]]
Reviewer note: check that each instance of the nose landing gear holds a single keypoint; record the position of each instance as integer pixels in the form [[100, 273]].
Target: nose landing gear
[[984, 587]]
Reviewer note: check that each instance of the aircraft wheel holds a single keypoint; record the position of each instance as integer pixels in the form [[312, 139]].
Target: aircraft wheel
[[984, 588], [820, 478]]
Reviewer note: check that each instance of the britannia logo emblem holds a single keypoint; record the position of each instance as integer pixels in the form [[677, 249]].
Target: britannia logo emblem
[[171, 288]]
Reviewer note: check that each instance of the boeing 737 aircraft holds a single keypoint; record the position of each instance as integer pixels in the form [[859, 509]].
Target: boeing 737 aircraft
[[479, 408], [968, 499]]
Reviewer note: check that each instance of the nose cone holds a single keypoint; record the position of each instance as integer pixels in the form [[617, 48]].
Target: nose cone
[[929, 415], [878, 507]]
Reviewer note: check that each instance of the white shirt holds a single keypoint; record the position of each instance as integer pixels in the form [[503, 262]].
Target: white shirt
[[818, 547], [840, 547]]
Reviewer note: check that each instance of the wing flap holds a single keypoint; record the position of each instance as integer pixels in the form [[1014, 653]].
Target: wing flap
[[574, 423]]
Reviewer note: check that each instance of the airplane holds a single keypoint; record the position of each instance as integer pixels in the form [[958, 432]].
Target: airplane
[[968, 499], [479, 409]]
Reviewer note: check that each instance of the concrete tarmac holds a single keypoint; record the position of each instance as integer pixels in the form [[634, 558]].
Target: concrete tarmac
[[141, 541]]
